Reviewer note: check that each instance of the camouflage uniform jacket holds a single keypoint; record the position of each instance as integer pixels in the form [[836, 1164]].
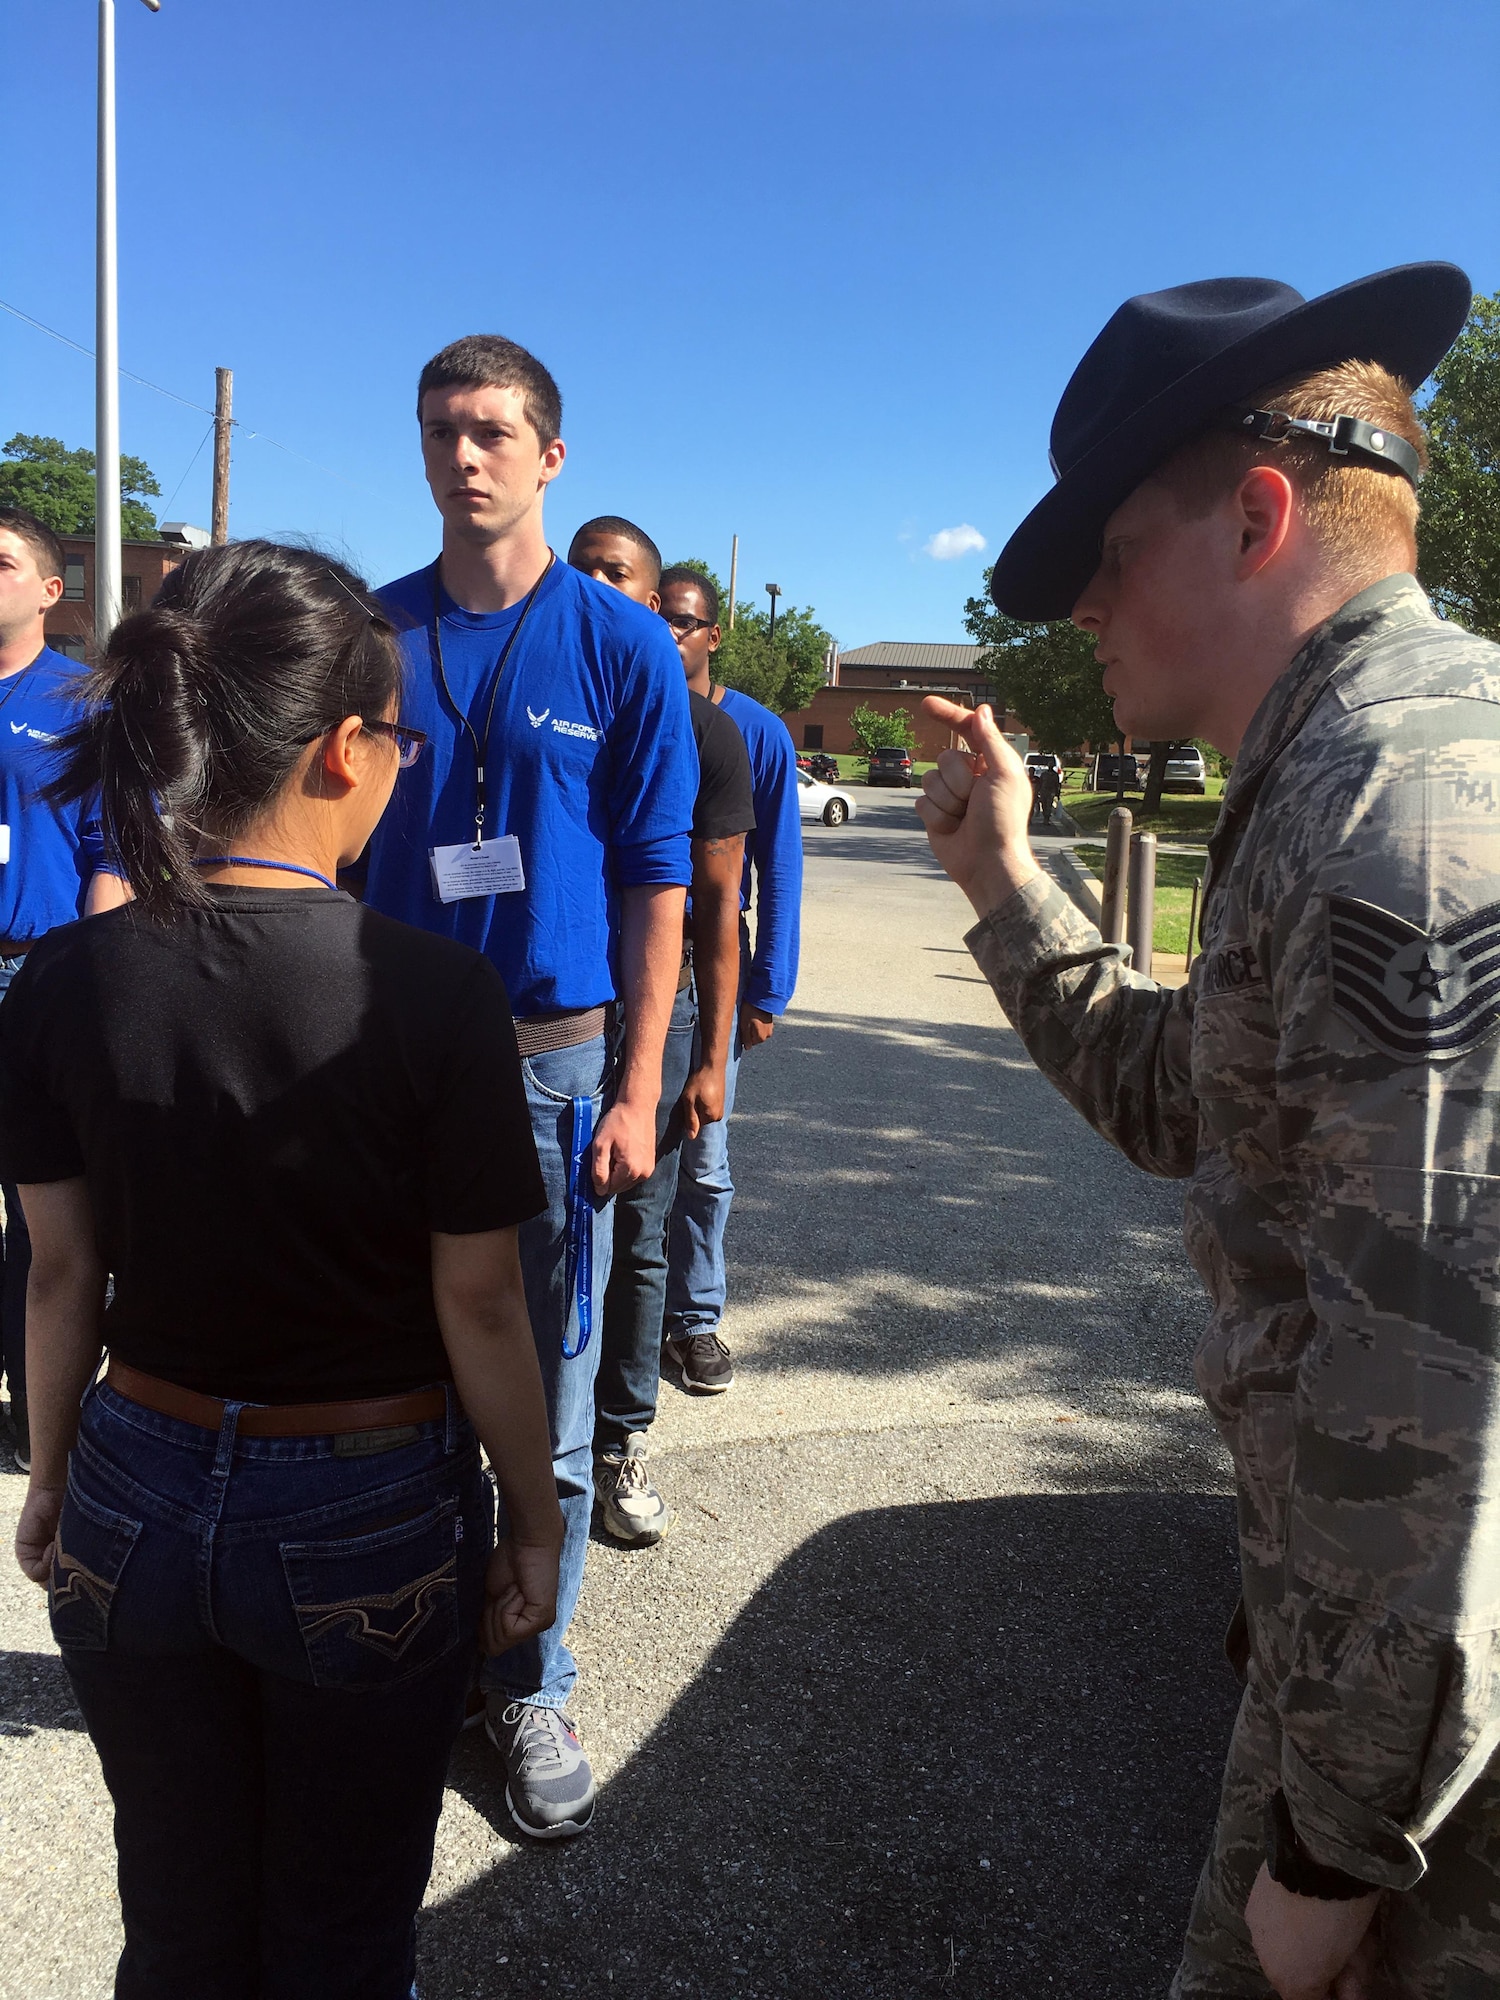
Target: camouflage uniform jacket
[[1330, 1080]]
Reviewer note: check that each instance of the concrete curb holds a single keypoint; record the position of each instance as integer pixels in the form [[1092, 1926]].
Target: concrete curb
[[1081, 883]]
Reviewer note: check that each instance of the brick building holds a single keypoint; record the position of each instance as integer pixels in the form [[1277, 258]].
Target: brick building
[[888, 676], [70, 622]]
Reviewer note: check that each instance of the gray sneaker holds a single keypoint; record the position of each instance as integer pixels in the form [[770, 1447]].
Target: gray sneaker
[[549, 1787], [634, 1512]]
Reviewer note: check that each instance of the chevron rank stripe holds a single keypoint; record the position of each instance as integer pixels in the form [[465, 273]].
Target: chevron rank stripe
[[1421, 996]]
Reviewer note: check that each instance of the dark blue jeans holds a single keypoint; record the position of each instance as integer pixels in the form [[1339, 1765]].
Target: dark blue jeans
[[270, 1641], [630, 1360]]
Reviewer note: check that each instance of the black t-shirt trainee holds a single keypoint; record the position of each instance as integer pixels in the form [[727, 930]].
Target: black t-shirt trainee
[[274, 1101], [725, 804]]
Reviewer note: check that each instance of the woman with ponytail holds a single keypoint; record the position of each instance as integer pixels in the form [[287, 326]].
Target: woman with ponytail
[[294, 1133]]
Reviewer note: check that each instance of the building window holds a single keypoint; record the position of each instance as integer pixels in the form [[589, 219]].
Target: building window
[[70, 648], [132, 589], [73, 577], [812, 735]]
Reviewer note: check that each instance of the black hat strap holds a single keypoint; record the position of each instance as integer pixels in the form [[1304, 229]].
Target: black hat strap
[[1342, 435]]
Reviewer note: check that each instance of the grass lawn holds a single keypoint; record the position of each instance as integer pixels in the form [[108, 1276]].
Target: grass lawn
[[1175, 876], [1183, 815]]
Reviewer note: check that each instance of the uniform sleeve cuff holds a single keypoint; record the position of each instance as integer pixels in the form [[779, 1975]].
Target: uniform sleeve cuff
[[1341, 1833]]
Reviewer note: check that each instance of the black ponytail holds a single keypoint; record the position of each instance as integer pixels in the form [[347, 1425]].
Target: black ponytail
[[199, 708]]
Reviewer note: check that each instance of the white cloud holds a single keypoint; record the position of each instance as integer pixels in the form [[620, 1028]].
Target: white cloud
[[948, 544]]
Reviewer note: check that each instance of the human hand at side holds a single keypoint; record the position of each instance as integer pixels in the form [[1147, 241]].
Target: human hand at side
[[702, 1101], [756, 1026], [520, 1590], [36, 1531], [976, 808], [1310, 1949], [624, 1148]]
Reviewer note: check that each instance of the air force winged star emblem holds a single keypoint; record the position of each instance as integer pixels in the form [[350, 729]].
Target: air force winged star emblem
[[1420, 996], [533, 718]]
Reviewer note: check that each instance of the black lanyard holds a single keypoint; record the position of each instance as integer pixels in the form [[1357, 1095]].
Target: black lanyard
[[480, 744]]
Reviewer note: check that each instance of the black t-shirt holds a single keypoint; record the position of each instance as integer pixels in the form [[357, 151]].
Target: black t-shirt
[[274, 1101], [725, 803]]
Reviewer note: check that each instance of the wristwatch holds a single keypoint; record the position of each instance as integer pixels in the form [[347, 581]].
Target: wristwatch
[[1289, 1863]]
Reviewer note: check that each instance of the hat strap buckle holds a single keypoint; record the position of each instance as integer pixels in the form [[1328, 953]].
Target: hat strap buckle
[[1342, 435]]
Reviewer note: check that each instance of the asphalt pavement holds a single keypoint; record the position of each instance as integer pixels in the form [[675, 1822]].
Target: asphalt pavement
[[923, 1693]]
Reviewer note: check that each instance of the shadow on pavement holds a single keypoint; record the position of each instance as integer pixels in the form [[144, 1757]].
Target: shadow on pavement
[[966, 1748], [35, 1693], [916, 1193]]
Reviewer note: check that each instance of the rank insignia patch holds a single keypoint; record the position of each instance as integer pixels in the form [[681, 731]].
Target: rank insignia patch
[[1421, 996]]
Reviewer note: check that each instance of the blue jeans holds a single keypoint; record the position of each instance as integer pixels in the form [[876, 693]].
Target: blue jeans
[[16, 1251], [696, 1283], [270, 1640], [543, 1672], [630, 1363]]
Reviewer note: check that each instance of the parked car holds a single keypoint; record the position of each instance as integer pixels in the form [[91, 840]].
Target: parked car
[[889, 767], [821, 765], [1044, 760], [1105, 776], [825, 802], [1186, 771]]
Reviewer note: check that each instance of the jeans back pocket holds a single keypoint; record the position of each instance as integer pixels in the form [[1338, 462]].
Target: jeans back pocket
[[378, 1608], [88, 1559]]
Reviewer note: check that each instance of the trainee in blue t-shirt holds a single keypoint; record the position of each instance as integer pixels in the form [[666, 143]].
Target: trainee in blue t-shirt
[[47, 852], [590, 763], [775, 850]]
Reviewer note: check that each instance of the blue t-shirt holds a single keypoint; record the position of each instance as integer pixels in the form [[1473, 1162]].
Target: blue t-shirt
[[590, 763], [47, 852], [775, 849]]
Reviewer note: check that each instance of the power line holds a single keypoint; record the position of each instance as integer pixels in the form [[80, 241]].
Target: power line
[[80, 349], [262, 437], [167, 505]]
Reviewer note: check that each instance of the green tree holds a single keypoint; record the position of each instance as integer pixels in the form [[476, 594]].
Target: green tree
[[784, 673], [1459, 533], [57, 485], [1045, 674], [873, 730]]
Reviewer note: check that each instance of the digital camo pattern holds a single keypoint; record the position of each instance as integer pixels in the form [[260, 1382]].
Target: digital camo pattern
[[1344, 1210]]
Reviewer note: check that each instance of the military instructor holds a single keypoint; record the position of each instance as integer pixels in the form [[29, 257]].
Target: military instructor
[[1234, 522]]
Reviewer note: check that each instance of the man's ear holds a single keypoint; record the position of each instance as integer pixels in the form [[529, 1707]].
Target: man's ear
[[653, 600], [552, 460], [52, 590], [1264, 504]]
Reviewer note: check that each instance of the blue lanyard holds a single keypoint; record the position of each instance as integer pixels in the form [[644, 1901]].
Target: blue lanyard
[[249, 861], [579, 1278]]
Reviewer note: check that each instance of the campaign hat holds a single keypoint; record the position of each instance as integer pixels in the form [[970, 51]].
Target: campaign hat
[[1169, 363]]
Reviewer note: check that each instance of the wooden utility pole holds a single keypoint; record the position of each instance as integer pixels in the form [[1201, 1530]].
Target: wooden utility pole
[[734, 575], [223, 424]]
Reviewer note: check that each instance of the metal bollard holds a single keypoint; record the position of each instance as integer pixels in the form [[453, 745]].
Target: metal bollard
[[1112, 902], [1192, 943], [1142, 900]]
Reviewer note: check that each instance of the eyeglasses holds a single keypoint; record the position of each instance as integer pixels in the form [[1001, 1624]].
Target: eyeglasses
[[684, 626], [409, 742]]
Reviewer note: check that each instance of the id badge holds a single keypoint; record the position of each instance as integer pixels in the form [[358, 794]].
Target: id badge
[[477, 868], [4, 844]]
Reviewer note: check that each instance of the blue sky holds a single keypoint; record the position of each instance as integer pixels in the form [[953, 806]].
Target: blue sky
[[811, 271]]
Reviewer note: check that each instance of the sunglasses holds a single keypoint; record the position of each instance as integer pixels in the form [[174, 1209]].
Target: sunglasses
[[685, 626], [409, 742]]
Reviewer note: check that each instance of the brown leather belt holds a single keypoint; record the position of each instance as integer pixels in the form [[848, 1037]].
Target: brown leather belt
[[276, 1420], [539, 1034], [15, 947]]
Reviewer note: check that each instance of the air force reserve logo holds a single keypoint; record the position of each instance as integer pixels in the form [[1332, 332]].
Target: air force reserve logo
[[1421, 996]]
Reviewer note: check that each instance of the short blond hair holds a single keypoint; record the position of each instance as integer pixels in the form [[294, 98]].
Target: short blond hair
[[1353, 508]]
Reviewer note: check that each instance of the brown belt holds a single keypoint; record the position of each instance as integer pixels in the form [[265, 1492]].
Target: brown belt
[[539, 1034], [15, 947], [276, 1420]]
